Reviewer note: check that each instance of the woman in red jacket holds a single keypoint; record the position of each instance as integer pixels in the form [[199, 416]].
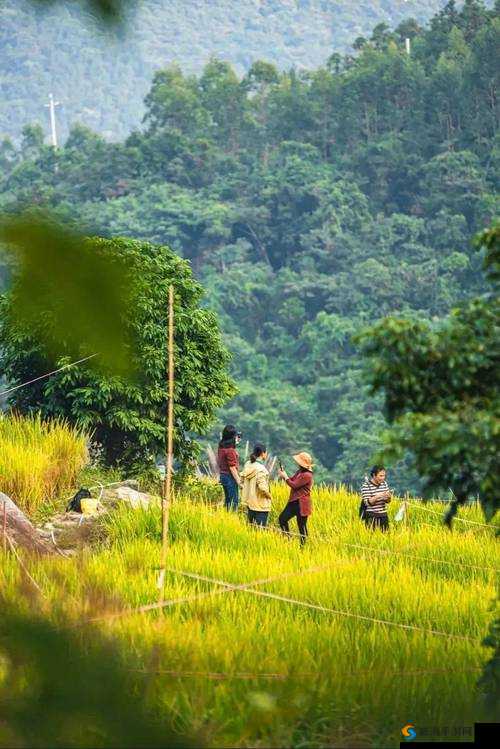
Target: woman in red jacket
[[299, 504], [229, 466]]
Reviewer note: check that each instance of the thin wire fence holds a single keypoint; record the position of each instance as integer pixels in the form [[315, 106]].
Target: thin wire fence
[[326, 609], [44, 376]]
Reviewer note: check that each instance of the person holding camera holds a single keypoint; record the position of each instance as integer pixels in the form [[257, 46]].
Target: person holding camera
[[229, 465], [256, 494], [299, 503], [375, 496]]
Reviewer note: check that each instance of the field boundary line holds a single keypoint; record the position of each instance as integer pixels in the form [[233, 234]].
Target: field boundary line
[[418, 505], [333, 540], [22, 565], [227, 588], [223, 675], [326, 609]]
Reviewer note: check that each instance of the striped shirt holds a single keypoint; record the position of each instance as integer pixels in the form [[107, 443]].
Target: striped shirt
[[369, 490]]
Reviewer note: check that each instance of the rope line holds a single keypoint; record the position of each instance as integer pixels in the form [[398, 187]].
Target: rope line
[[223, 675], [228, 587], [22, 565], [49, 374], [423, 559], [326, 609], [98, 486], [331, 539], [462, 520]]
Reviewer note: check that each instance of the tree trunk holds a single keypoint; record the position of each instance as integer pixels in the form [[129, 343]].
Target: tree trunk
[[19, 529]]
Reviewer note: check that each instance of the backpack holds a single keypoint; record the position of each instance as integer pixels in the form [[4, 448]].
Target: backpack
[[74, 504]]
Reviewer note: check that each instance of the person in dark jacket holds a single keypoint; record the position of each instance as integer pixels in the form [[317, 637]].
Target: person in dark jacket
[[229, 465], [299, 503]]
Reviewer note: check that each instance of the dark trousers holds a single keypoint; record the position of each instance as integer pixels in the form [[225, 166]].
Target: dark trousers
[[258, 517], [231, 491], [377, 521], [292, 510]]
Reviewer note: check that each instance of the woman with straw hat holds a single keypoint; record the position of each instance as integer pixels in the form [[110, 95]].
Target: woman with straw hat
[[299, 503]]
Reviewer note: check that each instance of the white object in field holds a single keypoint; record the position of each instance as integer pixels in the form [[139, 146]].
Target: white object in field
[[401, 513], [408, 45], [161, 580]]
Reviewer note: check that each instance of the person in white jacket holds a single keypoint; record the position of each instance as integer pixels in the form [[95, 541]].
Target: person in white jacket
[[256, 494]]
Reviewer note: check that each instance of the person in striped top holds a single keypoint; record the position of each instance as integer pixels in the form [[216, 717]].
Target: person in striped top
[[375, 496]]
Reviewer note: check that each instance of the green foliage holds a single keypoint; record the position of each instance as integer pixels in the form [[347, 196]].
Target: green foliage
[[128, 415], [441, 385], [80, 292], [62, 687], [195, 661], [101, 72], [311, 203], [489, 683]]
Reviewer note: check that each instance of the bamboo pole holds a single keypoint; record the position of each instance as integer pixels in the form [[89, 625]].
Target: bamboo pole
[[169, 443]]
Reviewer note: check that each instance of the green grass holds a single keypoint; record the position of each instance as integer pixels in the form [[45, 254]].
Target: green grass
[[244, 670]]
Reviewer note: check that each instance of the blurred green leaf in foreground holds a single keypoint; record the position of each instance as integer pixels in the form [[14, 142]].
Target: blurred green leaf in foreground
[[109, 11], [84, 293], [71, 687]]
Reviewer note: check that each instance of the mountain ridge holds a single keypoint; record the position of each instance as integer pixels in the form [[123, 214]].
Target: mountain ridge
[[100, 78]]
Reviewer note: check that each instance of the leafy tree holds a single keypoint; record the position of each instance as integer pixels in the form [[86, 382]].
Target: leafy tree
[[441, 385], [310, 202], [128, 416]]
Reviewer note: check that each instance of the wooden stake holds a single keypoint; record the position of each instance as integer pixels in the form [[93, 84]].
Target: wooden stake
[[167, 484]]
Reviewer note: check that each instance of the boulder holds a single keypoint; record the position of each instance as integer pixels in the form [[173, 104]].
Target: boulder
[[21, 531], [134, 498]]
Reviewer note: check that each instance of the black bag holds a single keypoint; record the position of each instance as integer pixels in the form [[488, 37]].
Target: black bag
[[74, 504], [362, 510]]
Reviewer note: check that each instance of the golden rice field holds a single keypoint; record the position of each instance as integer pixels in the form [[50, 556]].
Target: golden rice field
[[39, 460], [392, 634]]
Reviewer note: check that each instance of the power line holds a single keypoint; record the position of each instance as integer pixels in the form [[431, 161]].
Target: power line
[[49, 374]]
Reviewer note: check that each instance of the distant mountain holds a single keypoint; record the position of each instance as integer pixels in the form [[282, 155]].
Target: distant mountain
[[100, 78]]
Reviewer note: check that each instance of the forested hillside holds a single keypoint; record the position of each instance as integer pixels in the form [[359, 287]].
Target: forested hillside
[[310, 204], [101, 77]]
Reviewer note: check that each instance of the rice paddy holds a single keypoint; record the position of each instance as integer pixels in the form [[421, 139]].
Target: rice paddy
[[39, 460], [339, 644]]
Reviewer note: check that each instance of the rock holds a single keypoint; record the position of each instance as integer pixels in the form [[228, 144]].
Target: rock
[[131, 483], [20, 530], [134, 498]]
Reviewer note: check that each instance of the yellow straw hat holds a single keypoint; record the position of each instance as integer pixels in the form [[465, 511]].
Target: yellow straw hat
[[304, 460]]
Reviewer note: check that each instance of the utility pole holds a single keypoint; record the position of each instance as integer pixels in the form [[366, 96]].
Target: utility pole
[[167, 484], [52, 113], [408, 45]]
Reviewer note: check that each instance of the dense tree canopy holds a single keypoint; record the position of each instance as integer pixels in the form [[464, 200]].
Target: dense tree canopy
[[127, 415], [310, 204], [441, 382], [100, 73]]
